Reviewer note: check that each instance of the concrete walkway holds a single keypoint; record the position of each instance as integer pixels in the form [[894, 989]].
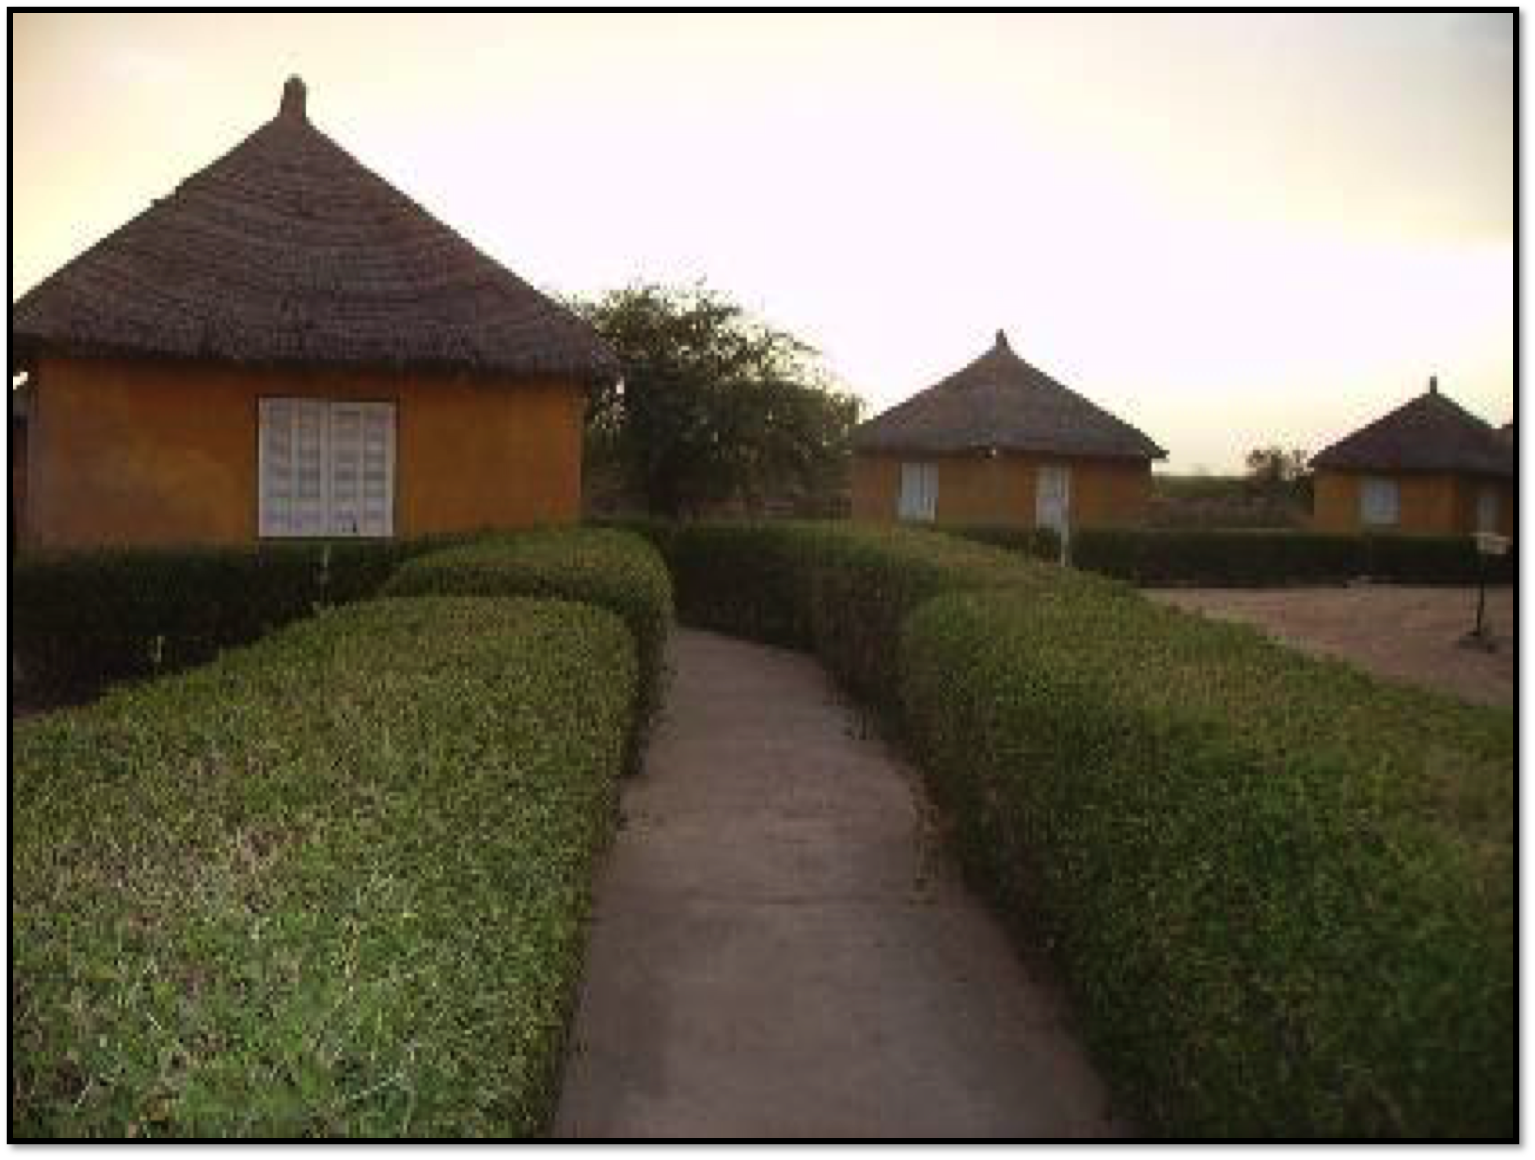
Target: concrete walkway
[[781, 949]]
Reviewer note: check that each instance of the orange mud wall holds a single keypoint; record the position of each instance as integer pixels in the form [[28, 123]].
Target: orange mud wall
[[152, 452], [1426, 504], [979, 489]]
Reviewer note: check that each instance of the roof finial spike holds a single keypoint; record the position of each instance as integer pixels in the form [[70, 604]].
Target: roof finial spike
[[293, 98], [1433, 384], [1002, 340]]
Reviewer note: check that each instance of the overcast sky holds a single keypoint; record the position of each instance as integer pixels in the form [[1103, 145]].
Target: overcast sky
[[1229, 230]]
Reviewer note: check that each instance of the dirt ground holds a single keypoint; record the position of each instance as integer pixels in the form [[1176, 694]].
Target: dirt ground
[[1406, 633]]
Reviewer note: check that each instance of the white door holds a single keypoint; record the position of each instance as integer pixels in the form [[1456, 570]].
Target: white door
[[1487, 510], [1052, 498], [918, 499]]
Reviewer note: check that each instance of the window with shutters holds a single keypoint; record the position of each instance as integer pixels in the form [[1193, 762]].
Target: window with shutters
[[918, 499], [326, 468], [1487, 510], [1378, 502]]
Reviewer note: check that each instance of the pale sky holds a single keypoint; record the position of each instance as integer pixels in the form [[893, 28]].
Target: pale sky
[[1229, 230]]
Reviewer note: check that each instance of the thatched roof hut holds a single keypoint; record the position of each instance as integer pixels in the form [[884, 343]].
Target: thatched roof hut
[[1001, 442], [1430, 466]]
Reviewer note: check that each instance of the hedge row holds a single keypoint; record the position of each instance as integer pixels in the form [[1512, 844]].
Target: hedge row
[[839, 590], [82, 620], [1282, 891], [331, 884], [658, 530], [1262, 559], [612, 569], [1036, 543]]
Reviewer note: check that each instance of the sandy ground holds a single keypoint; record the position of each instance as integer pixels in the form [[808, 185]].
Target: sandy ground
[[1405, 633], [781, 948]]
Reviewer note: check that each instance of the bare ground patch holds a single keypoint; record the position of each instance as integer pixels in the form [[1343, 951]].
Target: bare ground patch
[[1404, 633]]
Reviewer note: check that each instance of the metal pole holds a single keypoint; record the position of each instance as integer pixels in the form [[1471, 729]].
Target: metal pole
[[1481, 593]]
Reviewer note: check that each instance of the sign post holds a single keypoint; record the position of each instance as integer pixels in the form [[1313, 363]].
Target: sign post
[[1487, 544]]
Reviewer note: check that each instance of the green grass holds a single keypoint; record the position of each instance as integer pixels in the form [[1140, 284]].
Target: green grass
[[333, 884]]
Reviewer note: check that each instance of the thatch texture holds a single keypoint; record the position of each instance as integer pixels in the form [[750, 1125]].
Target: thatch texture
[[287, 250], [1000, 402], [1429, 434]]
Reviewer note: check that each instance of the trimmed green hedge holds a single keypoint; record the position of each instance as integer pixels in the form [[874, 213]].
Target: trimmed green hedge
[[1260, 559], [615, 570], [331, 884], [840, 590], [81, 620], [656, 529], [1281, 891]]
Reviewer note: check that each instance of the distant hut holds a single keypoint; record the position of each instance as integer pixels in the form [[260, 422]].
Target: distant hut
[[1000, 442], [286, 346], [1430, 466]]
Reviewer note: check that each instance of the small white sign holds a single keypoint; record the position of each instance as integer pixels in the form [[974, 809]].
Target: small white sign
[[1491, 544]]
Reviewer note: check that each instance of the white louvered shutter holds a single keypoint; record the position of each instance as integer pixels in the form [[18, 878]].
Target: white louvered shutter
[[1378, 502], [275, 469], [346, 469], [1487, 510], [377, 469], [918, 497], [311, 501]]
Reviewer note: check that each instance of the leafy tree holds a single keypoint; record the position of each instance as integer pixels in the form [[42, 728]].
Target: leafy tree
[[714, 405], [1274, 465], [1279, 475]]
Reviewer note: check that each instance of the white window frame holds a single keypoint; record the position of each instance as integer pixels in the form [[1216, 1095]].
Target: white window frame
[[917, 492], [1380, 502], [315, 462]]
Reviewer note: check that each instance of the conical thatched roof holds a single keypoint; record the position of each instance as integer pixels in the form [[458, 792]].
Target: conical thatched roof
[[287, 250], [1429, 433], [999, 401]]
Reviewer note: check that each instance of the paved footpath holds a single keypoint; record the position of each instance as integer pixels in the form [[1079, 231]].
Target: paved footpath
[[780, 948]]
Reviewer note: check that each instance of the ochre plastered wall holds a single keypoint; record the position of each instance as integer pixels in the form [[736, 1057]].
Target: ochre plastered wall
[[1426, 504], [980, 489], [153, 452]]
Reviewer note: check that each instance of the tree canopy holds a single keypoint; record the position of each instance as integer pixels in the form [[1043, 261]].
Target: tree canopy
[[714, 405], [1275, 465]]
